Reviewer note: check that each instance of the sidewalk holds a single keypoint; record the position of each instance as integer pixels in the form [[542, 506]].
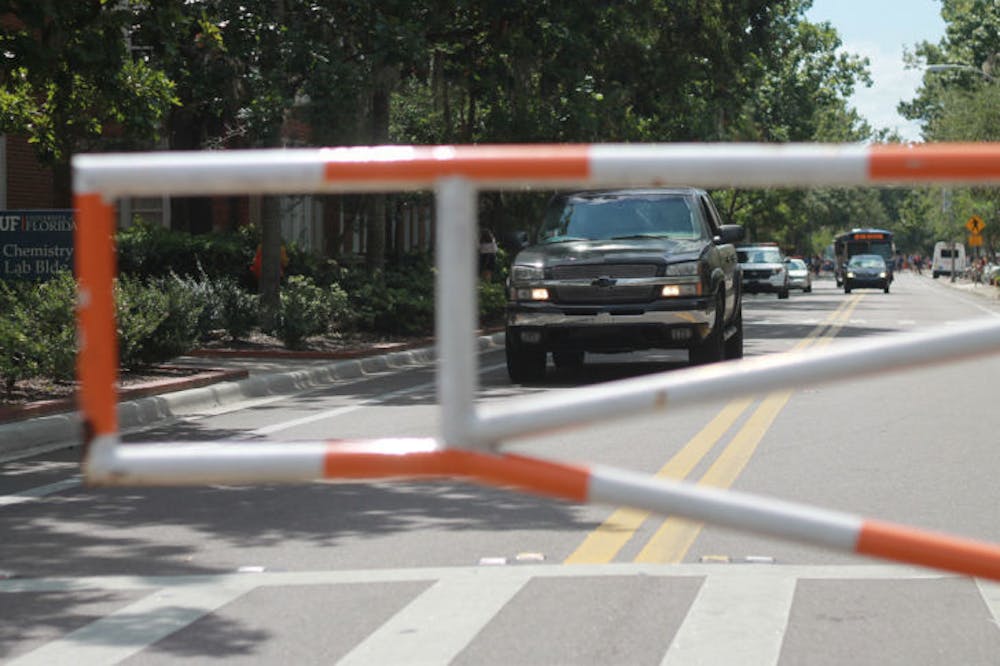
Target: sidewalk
[[225, 379], [969, 287]]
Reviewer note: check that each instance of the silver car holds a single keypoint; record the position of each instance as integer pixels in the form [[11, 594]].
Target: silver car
[[799, 276]]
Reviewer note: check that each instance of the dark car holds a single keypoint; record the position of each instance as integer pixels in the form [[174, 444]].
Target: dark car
[[866, 270], [625, 270]]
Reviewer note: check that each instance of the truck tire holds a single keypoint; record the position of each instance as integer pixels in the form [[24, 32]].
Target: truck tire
[[733, 346], [712, 348], [524, 364]]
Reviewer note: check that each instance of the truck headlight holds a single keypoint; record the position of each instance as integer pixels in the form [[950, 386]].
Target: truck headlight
[[850, 274], [534, 294], [674, 290], [526, 273], [682, 268]]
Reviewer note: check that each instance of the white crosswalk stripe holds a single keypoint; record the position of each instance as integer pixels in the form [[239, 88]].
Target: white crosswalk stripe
[[740, 609]]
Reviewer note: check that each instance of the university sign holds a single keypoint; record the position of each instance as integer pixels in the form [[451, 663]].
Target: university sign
[[35, 244]]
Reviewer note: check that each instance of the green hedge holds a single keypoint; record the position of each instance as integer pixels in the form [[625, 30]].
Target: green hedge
[[165, 313]]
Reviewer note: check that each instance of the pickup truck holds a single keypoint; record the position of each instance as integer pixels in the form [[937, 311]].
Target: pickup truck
[[625, 270]]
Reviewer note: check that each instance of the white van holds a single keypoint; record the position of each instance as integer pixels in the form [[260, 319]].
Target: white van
[[944, 263]]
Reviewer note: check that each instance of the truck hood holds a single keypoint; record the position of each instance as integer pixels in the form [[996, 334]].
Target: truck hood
[[631, 250]]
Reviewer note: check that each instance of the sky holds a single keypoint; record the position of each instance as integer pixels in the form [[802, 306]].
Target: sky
[[881, 30]]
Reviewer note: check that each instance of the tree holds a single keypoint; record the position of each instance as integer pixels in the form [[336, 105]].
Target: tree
[[71, 82], [961, 104]]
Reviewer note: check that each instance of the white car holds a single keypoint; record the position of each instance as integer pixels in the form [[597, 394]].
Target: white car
[[799, 276], [764, 269]]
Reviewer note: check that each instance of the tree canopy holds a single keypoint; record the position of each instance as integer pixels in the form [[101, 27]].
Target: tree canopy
[[211, 74]]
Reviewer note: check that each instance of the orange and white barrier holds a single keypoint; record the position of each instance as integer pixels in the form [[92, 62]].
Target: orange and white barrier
[[183, 463], [469, 434]]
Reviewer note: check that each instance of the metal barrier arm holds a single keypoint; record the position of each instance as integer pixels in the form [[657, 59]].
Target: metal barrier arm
[[457, 173], [186, 463], [840, 361]]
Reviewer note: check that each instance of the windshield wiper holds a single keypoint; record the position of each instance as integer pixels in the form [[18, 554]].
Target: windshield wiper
[[638, 236]]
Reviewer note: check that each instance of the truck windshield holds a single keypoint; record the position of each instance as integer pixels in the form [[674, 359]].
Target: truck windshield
[[608, 217]]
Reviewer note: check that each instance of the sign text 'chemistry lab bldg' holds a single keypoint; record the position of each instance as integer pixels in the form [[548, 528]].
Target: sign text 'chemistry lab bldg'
[[35, 244]]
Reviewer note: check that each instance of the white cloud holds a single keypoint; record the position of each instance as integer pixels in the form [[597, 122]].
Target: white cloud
[[891, 85]]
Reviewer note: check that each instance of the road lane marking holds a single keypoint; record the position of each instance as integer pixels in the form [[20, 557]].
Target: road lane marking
[[132, 629], [734, 615], [436, 626], [731, 596], [990, 592], [603, 544], [675, 536], [347, 409], [38, 492]]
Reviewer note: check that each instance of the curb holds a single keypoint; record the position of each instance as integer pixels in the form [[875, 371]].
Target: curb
[[23, 438]]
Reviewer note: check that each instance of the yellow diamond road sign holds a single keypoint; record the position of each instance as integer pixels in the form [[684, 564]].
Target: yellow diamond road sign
[[975, 225]]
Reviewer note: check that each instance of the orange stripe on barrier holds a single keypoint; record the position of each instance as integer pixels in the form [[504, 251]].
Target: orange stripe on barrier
[[935, 162], [492, 162], [97, 360], [538, 476], [929, 549]]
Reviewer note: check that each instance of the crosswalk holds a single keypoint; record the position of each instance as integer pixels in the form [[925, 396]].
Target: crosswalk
[[459, 614]]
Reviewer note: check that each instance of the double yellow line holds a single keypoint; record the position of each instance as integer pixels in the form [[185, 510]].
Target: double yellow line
[[674, 537]]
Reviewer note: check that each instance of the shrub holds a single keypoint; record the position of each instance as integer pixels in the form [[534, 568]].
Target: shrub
[[20, 351], [239, 309], [398, 301], [52, 304], [492, 303], [150, 250], [226, 305], [306, 310], [140, 310], [177, 331]]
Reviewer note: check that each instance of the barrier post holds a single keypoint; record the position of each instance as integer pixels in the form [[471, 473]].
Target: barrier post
[[456, 310]]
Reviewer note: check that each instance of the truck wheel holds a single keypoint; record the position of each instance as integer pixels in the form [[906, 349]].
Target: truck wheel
[[567, 359], [711, 349], [524, 365], [733, 346]]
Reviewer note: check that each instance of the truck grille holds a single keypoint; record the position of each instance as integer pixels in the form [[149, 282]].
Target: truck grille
[[592, 271], [757, 274], [600, 295]]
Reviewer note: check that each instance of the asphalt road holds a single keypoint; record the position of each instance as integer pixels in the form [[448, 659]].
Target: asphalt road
[[436, 573]]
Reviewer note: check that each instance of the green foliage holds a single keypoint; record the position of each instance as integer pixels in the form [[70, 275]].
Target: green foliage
[[306, 310], [52, 305], [396, 301], [20, 349], [69, 77], [492, 303], [150, 250], [239, 310], [139, 311], [177, 332], [38, 329]]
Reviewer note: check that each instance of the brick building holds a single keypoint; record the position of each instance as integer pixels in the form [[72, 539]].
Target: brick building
[[24, 183], [328, 225]]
